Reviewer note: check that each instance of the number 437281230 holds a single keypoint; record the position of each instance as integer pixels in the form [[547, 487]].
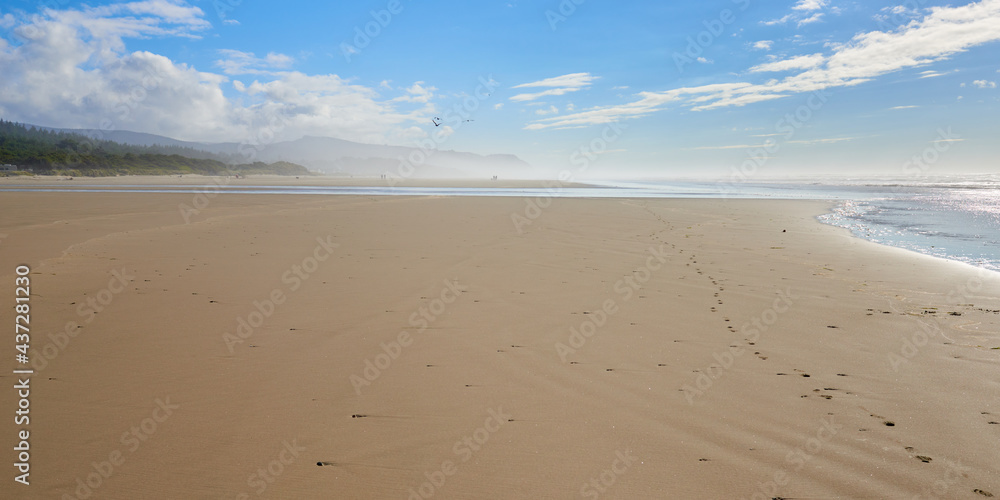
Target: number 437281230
[[22, 297]]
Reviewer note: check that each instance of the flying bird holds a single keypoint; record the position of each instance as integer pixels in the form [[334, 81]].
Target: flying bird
[[436, 122]]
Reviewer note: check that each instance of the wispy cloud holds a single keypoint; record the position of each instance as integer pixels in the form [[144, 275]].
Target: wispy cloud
[[942, 33], [809, 5], [418, 92], [560, 85], [551, 110], [734, 146], [829, 140], [903, 107], [804, 12], [797, 62], [236, 62]]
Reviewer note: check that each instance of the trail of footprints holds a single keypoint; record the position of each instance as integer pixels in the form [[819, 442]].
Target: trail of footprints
[[823, 392]]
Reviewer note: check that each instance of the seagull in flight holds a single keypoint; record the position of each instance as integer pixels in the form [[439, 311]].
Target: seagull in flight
[[436, 121]]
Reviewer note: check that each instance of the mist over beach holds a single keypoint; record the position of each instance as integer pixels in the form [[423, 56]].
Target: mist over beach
[[442, 250]]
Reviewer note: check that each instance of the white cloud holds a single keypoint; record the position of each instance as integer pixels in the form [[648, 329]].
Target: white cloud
[[570, 80], [71, 70], [903, 107], [444, 131], [237, 62], [809, 5], [985, 84], [417, 93], [498, 106], [763, 44], [231, 22], [803, 12], [942, 33], [811, 19], [781, 20], [560, 85], [7, 21], [797, 62], [552, 110], [705, 61]]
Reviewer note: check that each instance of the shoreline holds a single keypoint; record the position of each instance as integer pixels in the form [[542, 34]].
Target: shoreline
[[213, 185], [704, 318]]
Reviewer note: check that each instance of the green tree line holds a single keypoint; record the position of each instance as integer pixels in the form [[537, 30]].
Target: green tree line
[[48, 152]]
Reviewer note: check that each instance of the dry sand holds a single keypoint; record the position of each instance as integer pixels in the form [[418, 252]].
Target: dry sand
[[755, 353]]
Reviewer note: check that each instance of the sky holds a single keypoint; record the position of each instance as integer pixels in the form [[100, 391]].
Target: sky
[[601, 89]]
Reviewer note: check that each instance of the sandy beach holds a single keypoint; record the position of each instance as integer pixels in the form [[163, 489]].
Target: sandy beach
[[276, 346]]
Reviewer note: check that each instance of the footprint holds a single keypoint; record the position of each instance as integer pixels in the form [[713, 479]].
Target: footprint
[[924, 459], [982, 492]]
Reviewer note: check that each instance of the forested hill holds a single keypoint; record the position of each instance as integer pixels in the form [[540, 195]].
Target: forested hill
[[48, 152]]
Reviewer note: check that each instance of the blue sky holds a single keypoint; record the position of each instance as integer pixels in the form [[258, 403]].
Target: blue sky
[[796, 87]]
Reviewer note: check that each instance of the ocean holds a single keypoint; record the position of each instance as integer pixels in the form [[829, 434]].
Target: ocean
[[951, 218]]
